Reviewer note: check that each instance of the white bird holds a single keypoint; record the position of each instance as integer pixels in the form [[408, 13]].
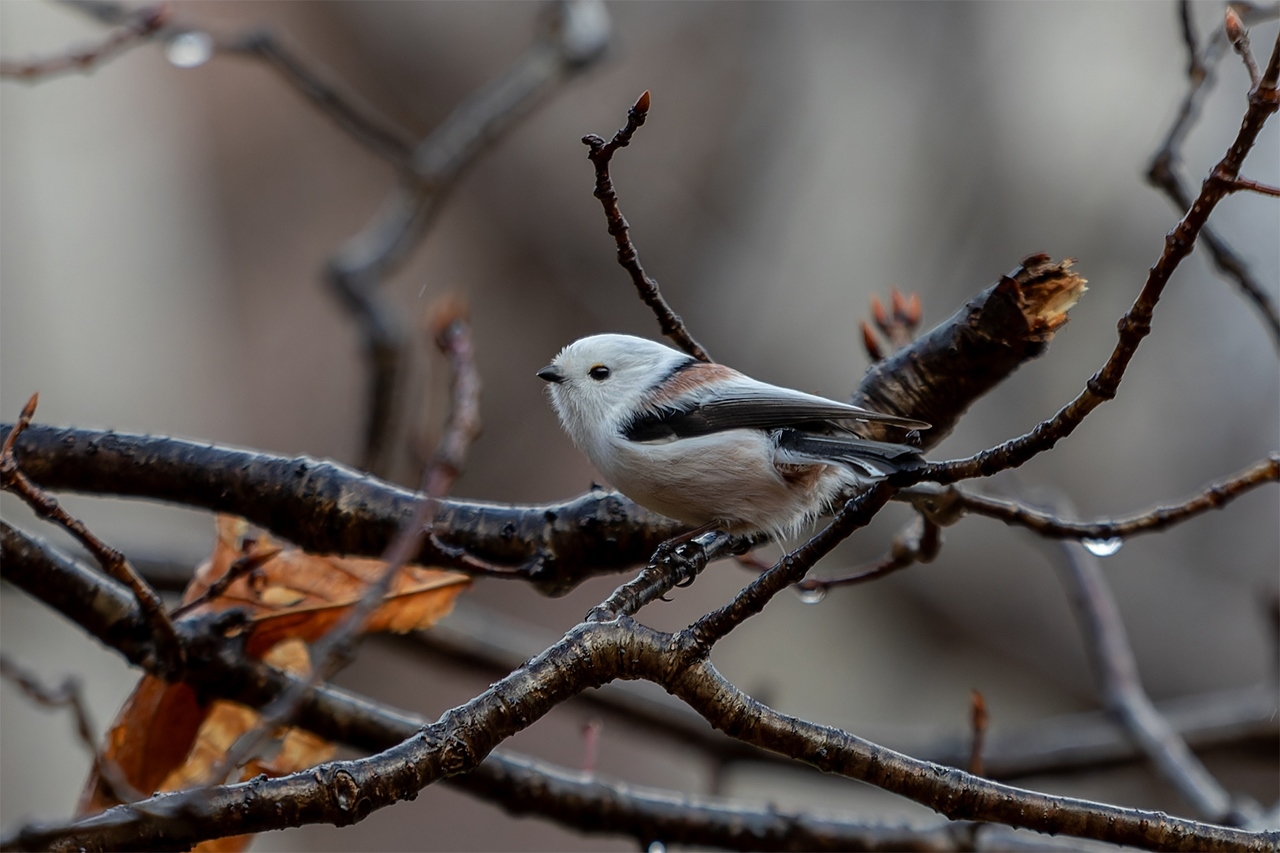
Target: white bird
[[703, 444]]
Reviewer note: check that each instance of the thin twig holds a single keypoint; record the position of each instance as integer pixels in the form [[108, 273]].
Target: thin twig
[[1136, 323], [363, 122], [699, 637], [242, 566], [69, 695], [978, 720], [917, 542], [601, 153], [452, 334], [114, 563], [1247, 185], [946, 505], [136, 29], [1239, 38], [1116, 671], [1163, 171]]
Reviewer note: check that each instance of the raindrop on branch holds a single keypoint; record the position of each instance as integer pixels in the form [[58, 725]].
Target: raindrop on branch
[[1102, 547], [189, 49], [810, 595]]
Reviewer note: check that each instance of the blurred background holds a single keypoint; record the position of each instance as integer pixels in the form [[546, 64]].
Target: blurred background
[[165, 232]]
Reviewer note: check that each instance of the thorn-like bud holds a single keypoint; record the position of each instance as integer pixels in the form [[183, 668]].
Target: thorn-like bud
[[878, 313], [870, 343], [899, 305], [642, 104], [915, 310], [1234, 26], [29, 410]]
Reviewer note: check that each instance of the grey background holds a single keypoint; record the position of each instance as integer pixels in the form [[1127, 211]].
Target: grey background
[[164, 231]]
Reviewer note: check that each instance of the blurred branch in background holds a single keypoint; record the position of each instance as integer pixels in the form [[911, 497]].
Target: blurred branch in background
[[576, 37]]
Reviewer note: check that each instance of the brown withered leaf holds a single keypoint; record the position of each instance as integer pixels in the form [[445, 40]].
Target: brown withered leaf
[[296, 594], [165, 739]]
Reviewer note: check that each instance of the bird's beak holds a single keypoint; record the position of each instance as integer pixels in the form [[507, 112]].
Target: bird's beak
[[551, 374]]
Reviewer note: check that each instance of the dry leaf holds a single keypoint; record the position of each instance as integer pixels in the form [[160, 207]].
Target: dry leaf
[[165, 740], [296, 594]]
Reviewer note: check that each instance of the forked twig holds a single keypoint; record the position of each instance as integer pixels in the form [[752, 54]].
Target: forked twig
[[113, 562], [601, 153]]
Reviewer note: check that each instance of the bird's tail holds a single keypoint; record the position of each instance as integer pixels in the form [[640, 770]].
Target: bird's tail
[[876, 458]]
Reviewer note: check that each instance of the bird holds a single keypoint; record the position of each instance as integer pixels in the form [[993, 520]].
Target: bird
[[708, 446]]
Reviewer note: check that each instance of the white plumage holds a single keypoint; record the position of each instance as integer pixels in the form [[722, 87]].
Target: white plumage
[[706, 445]]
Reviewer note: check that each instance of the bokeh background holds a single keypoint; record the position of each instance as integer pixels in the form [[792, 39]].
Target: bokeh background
[[165, 229]]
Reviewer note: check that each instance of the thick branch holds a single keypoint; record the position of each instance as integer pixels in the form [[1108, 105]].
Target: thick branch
[[587, 656], [324, 507]]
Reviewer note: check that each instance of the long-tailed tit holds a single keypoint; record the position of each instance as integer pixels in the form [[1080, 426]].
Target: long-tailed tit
[[706, 445]]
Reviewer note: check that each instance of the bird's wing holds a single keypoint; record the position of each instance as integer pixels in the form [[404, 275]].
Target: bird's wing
[[750, 405]]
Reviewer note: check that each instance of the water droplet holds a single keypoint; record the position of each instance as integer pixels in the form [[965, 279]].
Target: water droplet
[[189, 49], [810, 595], [1102, 547], [657, 847]]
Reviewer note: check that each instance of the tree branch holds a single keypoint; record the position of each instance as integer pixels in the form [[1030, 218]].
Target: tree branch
[[136, 28], [601, 154], [1116, 672], [1163, 174], [1136, 323], [327, 508], [587, 656], [946, 505]]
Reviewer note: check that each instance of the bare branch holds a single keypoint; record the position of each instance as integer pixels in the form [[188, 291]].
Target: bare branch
[[856, 513], [1136, 323], [344, 106], [137, 28], [978, 719], [917, 542], [68, 695], [1245, 184], [1163, 174], [946, 505], [1239, 38], [345, 791], [1116, 671], [452, 334], [12, 479], [601, 154]]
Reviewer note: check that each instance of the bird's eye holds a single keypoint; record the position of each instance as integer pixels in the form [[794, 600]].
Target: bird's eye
[[599, 373]]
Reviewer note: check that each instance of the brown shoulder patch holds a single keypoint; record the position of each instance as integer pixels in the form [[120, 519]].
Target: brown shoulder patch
[[687, 379]]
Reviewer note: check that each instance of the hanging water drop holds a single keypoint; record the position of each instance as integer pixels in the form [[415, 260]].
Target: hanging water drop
[[657, 847], [189, 49], [1102, 547], [810, 595]]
